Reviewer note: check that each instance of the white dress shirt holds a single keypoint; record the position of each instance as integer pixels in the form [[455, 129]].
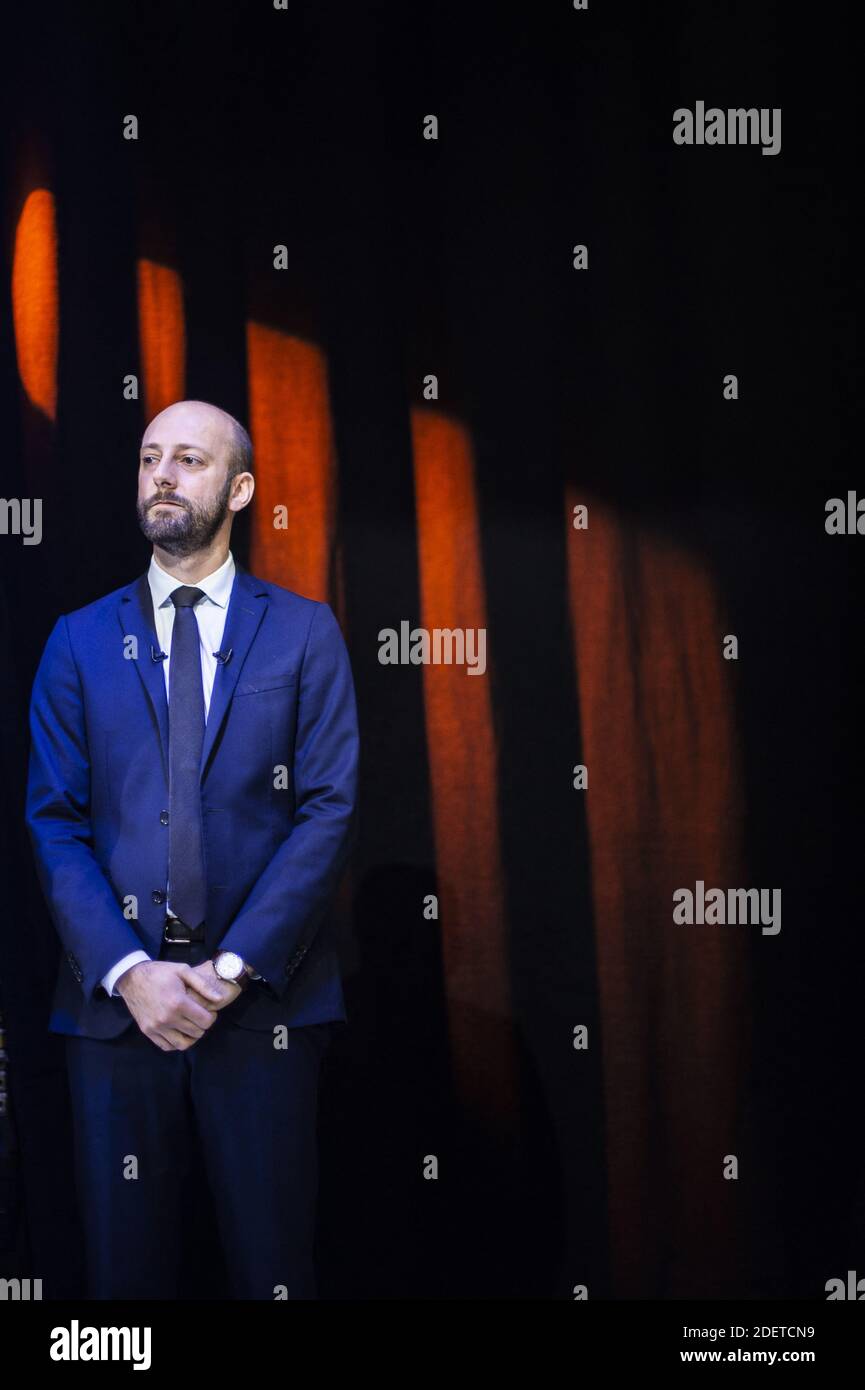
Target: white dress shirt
[[210, 614]]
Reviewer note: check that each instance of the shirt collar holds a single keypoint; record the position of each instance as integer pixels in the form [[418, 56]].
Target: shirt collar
[[216, 586]]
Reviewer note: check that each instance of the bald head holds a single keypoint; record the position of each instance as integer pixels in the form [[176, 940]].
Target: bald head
[[234, 442]]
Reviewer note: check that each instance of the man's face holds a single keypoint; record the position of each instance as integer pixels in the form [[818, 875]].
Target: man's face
[[183, 483]]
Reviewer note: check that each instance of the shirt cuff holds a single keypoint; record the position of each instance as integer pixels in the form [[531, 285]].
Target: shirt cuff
[[109, 980]]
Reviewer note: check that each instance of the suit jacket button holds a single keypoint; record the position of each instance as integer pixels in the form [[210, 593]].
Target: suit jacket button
[[157, 896], [163, 817]]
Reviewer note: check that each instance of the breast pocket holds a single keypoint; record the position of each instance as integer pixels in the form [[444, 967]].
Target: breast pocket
[[257, 685], [264, 722]]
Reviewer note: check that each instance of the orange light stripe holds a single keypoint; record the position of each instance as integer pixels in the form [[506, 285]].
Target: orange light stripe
[[162, 335], [295, 467], [35, 300], [463, 771], [664, 809]]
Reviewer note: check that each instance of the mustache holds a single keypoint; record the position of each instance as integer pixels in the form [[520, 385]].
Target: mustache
[[178, 502]]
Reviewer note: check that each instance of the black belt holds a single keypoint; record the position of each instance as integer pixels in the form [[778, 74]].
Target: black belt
[[177, 933]]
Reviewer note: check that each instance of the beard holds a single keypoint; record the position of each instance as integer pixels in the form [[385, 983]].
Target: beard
[[187, 527]]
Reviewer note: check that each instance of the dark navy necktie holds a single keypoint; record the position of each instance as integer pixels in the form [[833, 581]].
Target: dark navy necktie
[[187, 884]]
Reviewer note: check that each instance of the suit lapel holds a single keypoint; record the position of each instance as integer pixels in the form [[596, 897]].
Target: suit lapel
[[135, 614], [246, 608]]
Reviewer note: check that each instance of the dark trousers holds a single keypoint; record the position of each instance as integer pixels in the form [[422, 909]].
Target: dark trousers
[[233, 1102]]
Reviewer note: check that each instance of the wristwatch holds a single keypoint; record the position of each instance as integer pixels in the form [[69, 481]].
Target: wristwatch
[[230, 967]]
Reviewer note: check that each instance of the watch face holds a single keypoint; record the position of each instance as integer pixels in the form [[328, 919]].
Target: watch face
[[229, 966]]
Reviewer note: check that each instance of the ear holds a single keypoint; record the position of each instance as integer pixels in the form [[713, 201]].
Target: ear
[[243, 486]]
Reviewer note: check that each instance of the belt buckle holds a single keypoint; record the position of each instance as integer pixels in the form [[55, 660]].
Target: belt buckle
[[175, 940]]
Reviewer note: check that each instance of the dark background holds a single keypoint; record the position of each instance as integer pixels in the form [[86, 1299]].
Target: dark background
[[455, 257]]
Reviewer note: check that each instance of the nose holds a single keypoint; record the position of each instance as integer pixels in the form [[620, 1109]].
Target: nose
[[164, 482], [165, 473], [165, 491]]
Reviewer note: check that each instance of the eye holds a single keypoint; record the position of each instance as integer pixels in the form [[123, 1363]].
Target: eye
[[190, 458]]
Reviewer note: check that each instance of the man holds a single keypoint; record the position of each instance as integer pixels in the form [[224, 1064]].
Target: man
[[190, 801]]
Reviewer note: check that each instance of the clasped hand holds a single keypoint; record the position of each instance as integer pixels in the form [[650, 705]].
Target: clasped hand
[[175, 1004]]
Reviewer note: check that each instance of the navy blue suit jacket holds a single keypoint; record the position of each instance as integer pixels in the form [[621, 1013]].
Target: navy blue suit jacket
[[275, 841]]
